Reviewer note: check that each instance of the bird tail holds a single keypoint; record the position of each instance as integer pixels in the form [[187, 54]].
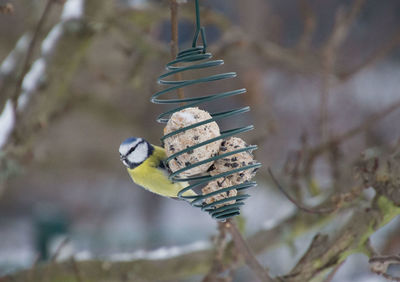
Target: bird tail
[[189, 192]]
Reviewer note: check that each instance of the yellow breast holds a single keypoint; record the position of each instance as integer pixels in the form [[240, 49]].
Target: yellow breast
[[152, 178]]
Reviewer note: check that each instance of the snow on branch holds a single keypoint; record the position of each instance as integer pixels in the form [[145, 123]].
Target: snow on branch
[[7, 122], [73, 9], [10, 62], [34, 76], [162, 253]]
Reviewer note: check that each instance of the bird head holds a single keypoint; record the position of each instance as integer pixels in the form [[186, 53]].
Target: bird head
[[134, 151]]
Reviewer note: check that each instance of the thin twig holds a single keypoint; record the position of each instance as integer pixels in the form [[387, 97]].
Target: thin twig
[[175, 42], [59, 249], [174, 28], [296, 203], [7, 8], [309, 23], [334, 271], [380, 53], [380, 265], [76, 270], [246, 252], [355, 130], [342, 25], [328, 66], [218, 266], [29, 54], [33, 268], [339, 33]]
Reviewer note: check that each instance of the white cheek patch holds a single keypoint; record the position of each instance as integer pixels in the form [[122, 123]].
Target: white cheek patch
[[139, 155], [125, 147]]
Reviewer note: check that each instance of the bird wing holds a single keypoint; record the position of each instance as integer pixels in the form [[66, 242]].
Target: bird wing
[[182, 185], [151, 176], [162, 155]]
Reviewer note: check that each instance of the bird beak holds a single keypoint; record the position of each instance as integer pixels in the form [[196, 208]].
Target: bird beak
[[124, 161]]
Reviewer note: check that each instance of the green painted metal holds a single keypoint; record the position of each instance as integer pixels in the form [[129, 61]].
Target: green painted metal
[[196, 58]]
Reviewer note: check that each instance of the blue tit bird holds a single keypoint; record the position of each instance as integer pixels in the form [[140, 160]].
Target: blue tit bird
[[145, 165]]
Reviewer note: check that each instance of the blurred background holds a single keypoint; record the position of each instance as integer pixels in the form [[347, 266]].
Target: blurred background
[[314, 70]]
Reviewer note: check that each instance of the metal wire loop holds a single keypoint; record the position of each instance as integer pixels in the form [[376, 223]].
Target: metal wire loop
[[196, 58]]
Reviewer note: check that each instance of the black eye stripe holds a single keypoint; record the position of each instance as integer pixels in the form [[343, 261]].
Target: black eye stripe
[[133, 148]]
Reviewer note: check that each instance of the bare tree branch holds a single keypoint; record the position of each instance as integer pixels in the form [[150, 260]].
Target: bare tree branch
[[367, 123], [174, 41], [329, 55], [378, 55], [333, 272], [380, 265], [29, 54], [309, 23], [245, 251], [299, 205], [7, 8], [329, 251]]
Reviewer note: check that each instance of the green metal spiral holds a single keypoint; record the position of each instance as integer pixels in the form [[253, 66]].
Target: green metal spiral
[[197, 58]]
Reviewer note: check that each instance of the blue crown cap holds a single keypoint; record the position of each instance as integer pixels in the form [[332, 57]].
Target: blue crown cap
[[129, 140]]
